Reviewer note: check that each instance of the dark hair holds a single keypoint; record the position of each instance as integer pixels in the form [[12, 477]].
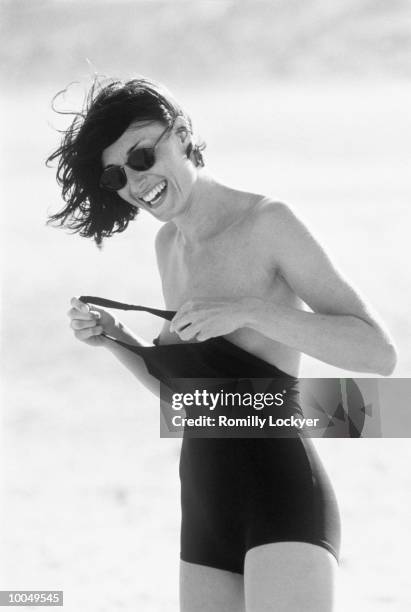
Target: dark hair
[[109, 109]]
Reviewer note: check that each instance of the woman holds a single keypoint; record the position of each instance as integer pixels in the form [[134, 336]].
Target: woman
[[236, 266]]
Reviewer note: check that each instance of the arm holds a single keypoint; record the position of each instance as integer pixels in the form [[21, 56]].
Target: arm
[[133, 362], [89, 324], [340, 329]]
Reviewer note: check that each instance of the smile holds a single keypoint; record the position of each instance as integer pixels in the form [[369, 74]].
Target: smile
[[152, 197]]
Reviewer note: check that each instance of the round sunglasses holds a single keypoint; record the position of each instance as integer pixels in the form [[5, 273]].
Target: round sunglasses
[[114, 178]]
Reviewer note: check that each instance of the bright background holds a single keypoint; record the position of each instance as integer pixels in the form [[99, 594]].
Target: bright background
[[304, 100]]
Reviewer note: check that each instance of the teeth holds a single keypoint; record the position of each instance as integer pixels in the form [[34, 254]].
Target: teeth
[[153, 193]]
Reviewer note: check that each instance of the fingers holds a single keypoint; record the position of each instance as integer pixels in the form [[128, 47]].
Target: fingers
[[187, 326], [194, 332], [191, 312], [83, 320], [85, 334], [181, 320], [188, 334], [192, 321], [79, 305], [73, 313], [80, 310], [189, 331], [183, 316], [83, 324], [180, 325]]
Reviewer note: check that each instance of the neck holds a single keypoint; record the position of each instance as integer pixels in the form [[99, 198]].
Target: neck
[[204, 212]]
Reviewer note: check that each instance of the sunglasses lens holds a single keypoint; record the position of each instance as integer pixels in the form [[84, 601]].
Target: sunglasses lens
[[141, 159], [113, 179]]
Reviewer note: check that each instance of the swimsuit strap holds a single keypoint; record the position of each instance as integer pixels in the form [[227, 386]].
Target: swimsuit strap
[[98, 301]]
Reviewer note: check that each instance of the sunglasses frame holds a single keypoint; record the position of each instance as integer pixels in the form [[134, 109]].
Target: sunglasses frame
[[121, 168]]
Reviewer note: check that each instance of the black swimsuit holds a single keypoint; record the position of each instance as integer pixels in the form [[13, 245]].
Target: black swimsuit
[[238, 493]]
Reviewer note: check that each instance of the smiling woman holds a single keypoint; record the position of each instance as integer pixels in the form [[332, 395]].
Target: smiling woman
[[138, 158], [94, 205], [247, 289], [149, 172]]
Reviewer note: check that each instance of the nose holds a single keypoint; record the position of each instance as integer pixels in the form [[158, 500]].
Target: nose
[[136, 180]]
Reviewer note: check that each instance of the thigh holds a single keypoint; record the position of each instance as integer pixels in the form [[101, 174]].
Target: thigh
[[206, 589], [289, 577]]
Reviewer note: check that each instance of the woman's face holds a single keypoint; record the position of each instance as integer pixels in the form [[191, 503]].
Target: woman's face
[[163, 190]]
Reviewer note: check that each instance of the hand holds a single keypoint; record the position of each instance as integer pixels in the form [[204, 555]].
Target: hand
[[208, 318], [89, 323]]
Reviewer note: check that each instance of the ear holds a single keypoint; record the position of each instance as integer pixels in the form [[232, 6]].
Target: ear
[[181, 129]]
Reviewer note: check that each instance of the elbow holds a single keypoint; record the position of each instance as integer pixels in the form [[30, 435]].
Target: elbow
[[388, 360], [382, 354]]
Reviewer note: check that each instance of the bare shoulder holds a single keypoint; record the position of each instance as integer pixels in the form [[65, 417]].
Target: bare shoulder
[[274, 212], [165, 236], [274, 219], [285, 237], [163, 241]]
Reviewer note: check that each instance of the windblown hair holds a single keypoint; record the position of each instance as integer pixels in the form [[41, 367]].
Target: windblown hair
[[109, 109]]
